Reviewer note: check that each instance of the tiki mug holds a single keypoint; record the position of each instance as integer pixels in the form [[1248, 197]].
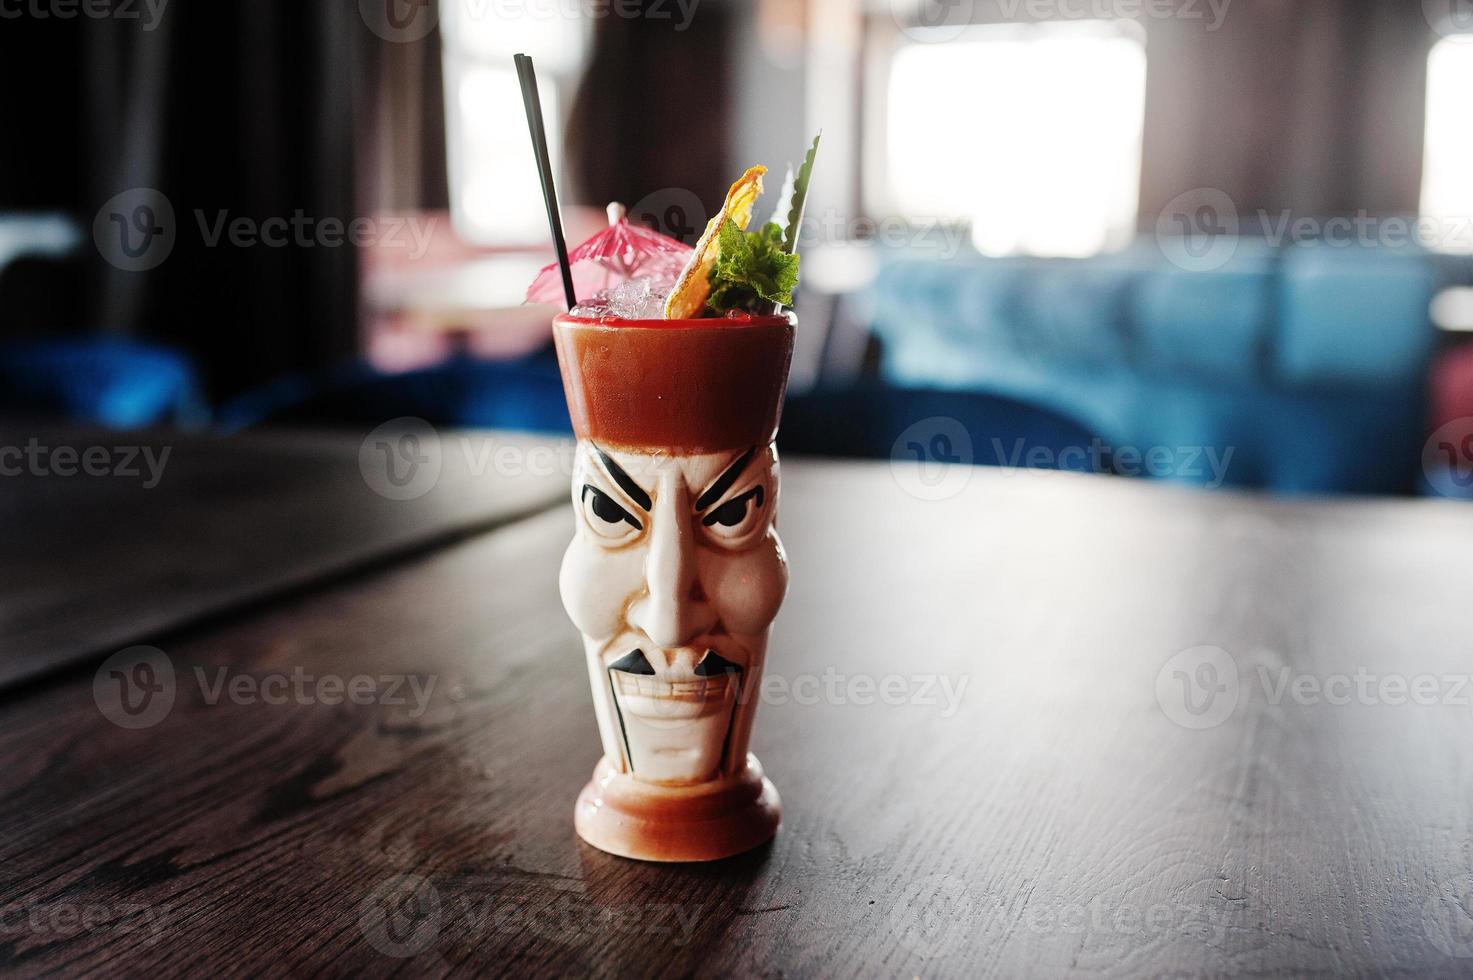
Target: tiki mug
[[675, 573]]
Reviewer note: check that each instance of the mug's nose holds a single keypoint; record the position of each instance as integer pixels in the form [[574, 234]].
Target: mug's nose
[[674, 610]]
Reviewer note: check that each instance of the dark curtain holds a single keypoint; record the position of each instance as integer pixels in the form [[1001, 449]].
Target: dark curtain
[[233, 108], [402, 165], [1311, 105], [654, 111]]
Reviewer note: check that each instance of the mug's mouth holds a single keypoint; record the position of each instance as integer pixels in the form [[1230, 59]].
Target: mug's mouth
[[643, 694]]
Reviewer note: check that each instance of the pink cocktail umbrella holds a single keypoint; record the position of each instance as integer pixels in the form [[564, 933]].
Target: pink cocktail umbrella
[[618, 253]]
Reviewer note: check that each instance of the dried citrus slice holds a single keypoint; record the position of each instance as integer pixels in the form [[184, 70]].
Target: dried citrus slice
[[688, 297]]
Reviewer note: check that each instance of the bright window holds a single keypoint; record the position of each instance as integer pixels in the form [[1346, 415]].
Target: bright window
[[1031, 134], [494, 195], [1447, 158]]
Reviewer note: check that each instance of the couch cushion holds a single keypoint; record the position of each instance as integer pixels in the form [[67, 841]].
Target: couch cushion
[[1208, 325], [1353, 317]]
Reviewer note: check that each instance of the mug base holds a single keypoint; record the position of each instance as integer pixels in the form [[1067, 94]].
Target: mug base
[[631, 818]]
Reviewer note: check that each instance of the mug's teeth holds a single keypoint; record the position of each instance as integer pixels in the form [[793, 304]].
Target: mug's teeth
[[653, 687]]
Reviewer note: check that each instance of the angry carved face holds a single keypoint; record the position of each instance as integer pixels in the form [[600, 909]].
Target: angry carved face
[[674, 577]]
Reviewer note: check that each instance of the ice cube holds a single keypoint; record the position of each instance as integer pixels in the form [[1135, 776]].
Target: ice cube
[[640, 298]]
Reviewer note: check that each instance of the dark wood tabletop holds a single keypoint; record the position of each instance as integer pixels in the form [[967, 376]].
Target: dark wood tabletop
[[110, 536], [1049, 725]]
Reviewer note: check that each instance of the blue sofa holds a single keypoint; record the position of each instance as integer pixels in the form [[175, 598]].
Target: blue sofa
[[1308, 364]]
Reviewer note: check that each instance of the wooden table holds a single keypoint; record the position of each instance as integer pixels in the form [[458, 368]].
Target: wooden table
[[1001, 745]]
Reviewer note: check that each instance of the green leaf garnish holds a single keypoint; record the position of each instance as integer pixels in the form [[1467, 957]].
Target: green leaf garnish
[[799, 197], [753, 271]]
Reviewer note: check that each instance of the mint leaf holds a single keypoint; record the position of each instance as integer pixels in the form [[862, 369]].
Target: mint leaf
[[799, 198], [752, 271]]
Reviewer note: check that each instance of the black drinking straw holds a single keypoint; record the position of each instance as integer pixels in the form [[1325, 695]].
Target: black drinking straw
[[528, 77]]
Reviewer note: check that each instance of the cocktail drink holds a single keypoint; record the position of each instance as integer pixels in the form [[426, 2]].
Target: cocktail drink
[[675, 572]]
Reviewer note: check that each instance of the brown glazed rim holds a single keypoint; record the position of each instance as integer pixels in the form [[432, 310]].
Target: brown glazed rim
[[692, 386], [701, 323]]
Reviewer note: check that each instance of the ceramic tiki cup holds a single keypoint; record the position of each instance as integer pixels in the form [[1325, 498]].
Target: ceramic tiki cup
[[675, 573]]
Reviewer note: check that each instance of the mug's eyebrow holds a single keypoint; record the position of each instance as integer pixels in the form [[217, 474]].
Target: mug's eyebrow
[[725, 480], [626, 483]]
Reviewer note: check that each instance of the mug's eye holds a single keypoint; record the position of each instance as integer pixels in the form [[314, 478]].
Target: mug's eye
[[605, 516], [737, 516]]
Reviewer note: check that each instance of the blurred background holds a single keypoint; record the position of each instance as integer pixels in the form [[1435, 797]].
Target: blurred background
[[1224, 242]]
